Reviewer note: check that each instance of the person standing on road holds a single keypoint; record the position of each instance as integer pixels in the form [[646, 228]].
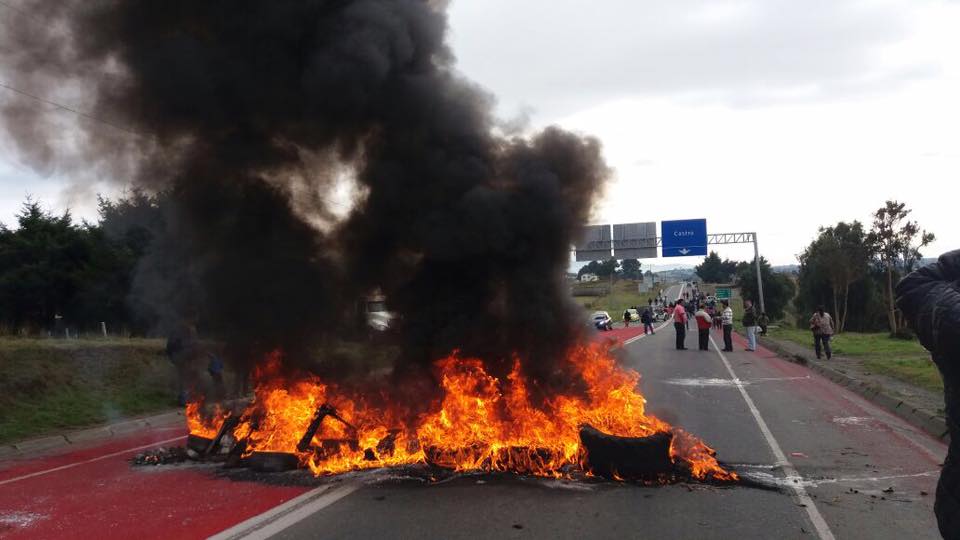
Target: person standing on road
[[726, 320], [680, 325], [626, 318], [704, 321], [181, 349], [647, 319], [822, 326], [750, 325], [930, 301]]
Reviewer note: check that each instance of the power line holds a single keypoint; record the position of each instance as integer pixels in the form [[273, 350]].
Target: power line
[[66, 108]]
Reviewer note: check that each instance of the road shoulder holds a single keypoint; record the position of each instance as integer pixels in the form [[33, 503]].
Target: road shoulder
[[40, 445], [914, 405]]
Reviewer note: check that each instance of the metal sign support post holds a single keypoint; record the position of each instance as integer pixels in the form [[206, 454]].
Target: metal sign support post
[[639, 240], [756, 258]]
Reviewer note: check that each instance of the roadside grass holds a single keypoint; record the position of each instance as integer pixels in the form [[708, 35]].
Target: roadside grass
[[52, 385], [623, 295], [48, 384], [901, 359]]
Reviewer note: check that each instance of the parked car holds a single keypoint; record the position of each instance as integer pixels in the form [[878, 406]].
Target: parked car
[[602, 321], [634, 315]]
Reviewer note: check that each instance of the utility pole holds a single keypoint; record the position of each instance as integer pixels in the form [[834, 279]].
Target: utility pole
[[756, 258]]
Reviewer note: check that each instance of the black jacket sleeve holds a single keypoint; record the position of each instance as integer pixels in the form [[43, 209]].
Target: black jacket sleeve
[[930, 300]]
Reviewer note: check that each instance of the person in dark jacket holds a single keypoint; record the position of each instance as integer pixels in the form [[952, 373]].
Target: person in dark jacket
[[930, 301], [647, 319], [181, 349]]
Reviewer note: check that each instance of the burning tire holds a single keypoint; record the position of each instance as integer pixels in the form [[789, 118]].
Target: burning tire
[[639, 458]]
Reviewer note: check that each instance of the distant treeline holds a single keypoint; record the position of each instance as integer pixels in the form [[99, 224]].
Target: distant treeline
[[58, 275], [847, 269], [851, 271]]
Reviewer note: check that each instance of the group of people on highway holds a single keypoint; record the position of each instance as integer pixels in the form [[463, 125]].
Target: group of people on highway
[[706, 315], [703, 315]]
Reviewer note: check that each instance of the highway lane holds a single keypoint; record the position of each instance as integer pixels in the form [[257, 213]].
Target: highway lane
[[844, 468]]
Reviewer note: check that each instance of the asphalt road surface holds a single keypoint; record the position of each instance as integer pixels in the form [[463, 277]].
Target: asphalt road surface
[[828, 465]]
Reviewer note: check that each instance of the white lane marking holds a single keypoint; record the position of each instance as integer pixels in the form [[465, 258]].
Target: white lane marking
[[98, 458], [293, 511], [852, 420], [657, 329], [730, 382], [823, 530], [641, 336], [21, 520], [769, 479]]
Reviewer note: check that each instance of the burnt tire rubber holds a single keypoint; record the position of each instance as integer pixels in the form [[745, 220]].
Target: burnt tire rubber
[[273, 462], [198, 444], [629, 458]]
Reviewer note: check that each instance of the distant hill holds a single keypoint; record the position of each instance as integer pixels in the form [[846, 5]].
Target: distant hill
[[786, 269]]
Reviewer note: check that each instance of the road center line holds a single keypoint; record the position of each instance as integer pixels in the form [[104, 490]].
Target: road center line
[[823, 530], [98, 458], [293, 511], [657, 329]]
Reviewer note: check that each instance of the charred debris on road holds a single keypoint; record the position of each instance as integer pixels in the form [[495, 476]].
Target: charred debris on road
[[641, 460]]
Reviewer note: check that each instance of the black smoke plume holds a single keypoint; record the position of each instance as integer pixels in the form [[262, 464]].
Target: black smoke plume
[[243, 111]]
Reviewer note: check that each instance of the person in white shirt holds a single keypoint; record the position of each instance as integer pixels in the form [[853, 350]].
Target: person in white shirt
[[727, 319]]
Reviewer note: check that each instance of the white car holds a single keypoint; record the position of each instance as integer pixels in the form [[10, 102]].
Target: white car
[[376, 314], [601, 320]]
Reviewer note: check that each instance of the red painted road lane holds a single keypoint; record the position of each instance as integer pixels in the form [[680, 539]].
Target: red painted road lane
[[618, 335], [108, 498], [888, 442]]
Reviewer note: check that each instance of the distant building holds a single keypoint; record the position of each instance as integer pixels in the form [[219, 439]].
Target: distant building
[[586, 278]]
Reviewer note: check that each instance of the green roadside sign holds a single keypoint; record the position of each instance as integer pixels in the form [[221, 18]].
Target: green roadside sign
[[724, 293]]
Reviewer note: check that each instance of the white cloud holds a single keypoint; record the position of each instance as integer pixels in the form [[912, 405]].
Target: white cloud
[[775, 117]]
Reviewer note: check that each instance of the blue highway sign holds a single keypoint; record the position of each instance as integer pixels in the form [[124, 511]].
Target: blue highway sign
[[684, 238]]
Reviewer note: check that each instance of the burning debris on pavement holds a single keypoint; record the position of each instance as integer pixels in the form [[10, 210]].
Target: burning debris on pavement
[[162, 456], [480, 424]]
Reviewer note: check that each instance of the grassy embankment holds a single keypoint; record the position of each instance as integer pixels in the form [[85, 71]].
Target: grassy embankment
[[901, 359], [51, 385], [622, 295], [48, 385]]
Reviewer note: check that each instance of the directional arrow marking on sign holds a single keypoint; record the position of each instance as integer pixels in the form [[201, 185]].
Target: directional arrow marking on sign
[[684, 251]]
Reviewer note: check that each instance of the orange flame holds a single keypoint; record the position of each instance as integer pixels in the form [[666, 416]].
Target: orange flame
[[481, 423], [203, 425]]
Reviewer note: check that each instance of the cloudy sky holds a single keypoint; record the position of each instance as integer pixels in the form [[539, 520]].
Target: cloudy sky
[[760, 115]]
